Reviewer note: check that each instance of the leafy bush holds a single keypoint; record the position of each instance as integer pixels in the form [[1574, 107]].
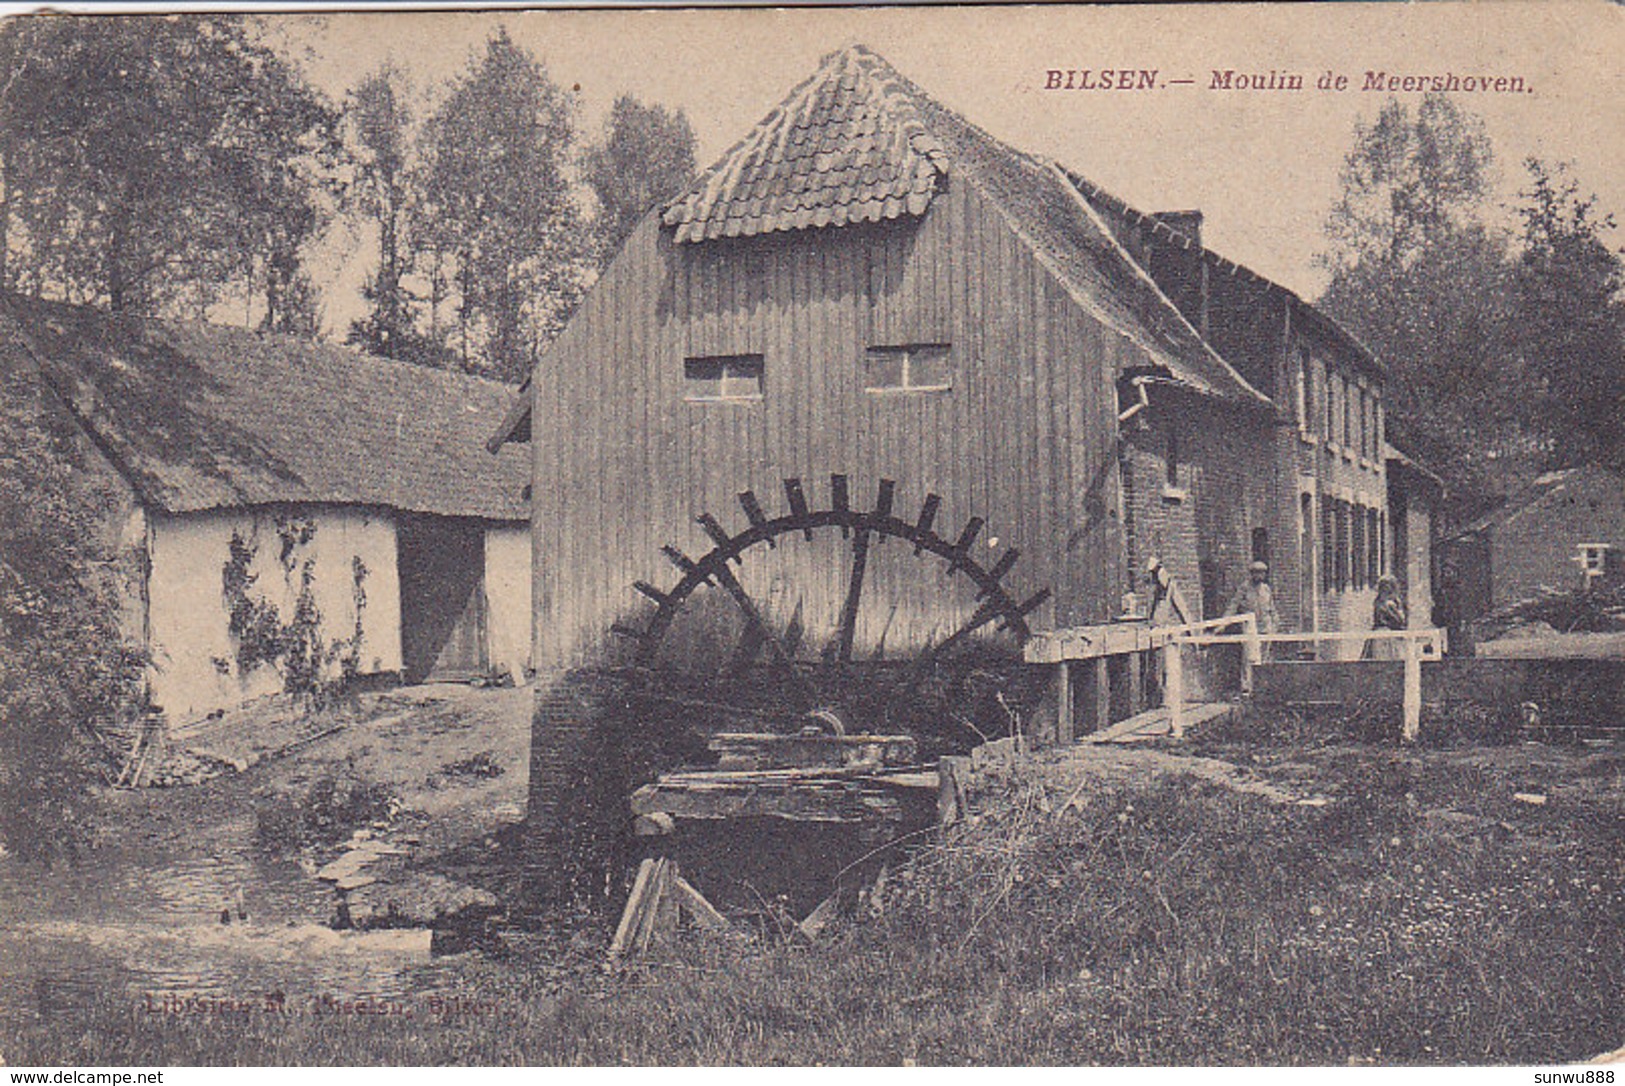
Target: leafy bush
[[328, 811], [1599, 610], [66, 676]]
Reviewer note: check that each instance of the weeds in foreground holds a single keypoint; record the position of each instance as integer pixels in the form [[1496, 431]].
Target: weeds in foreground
[[1158, 923], [325, 813]]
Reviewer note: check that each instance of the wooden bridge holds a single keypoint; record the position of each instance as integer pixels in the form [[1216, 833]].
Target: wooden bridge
[[1106, 665]]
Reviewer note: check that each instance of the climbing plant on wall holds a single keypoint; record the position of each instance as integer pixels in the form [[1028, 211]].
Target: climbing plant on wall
[[295, 646]]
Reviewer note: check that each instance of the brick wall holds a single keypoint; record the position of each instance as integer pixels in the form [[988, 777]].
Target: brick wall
[[577, 817], [1160, 515], [1538, 546], [1200, 519]]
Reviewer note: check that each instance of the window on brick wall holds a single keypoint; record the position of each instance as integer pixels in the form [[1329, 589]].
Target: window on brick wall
[[1382, 550], [1348, 412], [1373, 545], [1331, 405], [1328, 544], [1173, 456], [1364, 404], [1357, 546], [1306, 560], [1341, 555], [1261, 545], [1301, 391], [1372, 449]]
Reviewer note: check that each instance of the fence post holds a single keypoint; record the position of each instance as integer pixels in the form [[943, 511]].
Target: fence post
[[1103, 694], [1413, 690], [1063, 703], [1252, 652], [1173, 671]]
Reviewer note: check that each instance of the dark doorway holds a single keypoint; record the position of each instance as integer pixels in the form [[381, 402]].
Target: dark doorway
[[442, 567], [1399, 549], [1212, 588]]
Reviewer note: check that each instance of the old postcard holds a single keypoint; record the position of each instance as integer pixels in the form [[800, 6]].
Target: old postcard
[[1042, 536]]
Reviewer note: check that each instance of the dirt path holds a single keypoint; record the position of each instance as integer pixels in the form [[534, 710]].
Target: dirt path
[[456, 756]]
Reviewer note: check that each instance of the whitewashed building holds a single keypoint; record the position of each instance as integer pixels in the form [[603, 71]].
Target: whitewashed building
[[284, 503]]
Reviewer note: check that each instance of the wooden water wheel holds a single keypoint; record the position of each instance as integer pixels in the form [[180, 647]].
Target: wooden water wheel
[[774, 672]]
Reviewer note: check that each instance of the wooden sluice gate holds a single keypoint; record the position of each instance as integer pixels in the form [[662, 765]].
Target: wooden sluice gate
[[785, 822]]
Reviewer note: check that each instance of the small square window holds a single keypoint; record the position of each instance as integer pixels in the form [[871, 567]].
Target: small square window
[[920, 367], [720, 378], [1593, 558]]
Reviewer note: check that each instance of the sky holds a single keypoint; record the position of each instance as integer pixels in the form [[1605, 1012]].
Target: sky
[[1262, 165]]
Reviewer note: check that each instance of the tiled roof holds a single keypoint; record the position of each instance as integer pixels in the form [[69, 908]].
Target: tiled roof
[[859, 142], [199, 416], [1162, 227], [1546, 486], [846, 146]]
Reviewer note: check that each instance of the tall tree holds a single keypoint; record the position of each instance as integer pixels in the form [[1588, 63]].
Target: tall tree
[[645, 156], [380, 126], [497, 207], [1409, 180], [148, 161], [1569, 297], [1420, 279]]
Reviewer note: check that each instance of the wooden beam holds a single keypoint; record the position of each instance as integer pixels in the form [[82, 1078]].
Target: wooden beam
[[1412, 724], [753, 513], [840, 499], [753, 616], [962, 547], [797, 498], [1103, 695], [718, 535], [631, 914], [701, 911], [1063, 703], [1173, 687], [818, 919], [952, 769], [922, 527], [854, 594]]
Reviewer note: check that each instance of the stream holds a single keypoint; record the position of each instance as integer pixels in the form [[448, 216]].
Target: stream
[[134, 924]]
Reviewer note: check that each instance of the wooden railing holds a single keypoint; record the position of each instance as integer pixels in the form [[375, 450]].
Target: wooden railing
[[1065, 647]]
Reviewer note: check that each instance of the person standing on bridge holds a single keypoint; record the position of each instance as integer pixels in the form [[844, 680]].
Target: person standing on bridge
[[1256, 597], [1387, 613]]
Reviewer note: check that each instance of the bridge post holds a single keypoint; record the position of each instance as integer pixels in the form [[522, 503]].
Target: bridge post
[[1252, 652], [1173, 671], [1412, 725], [1064, 725]]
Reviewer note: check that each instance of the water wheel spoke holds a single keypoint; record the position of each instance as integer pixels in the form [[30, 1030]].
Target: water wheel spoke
[[921, 667], [847, 629], [780, 655]]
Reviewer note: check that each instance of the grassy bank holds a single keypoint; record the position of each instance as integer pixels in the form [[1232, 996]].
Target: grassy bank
[[1422, 914]]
